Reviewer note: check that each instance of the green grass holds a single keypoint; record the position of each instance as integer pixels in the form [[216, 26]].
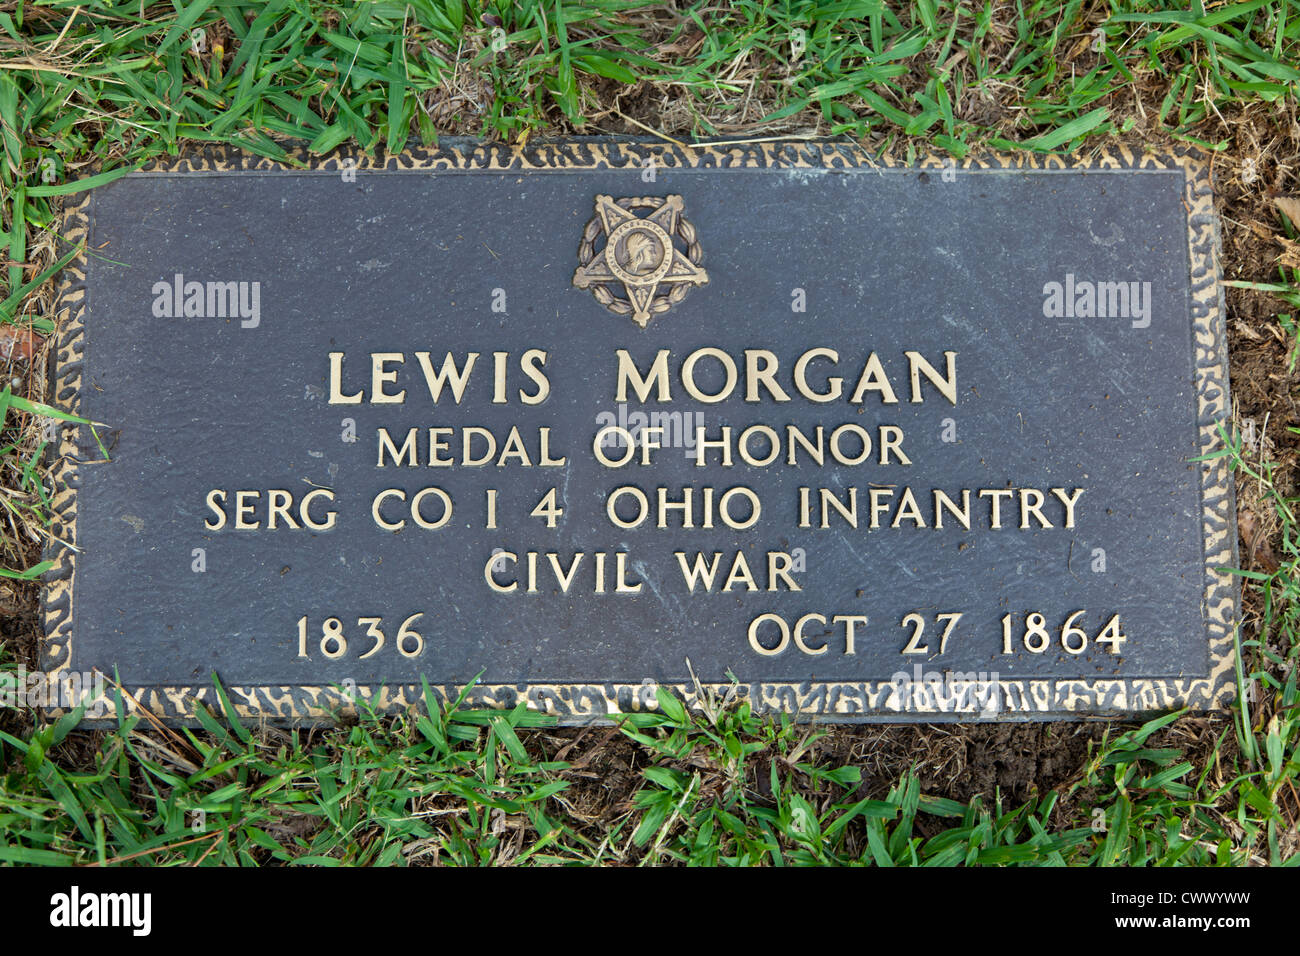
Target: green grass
[[90, 90], [469, 787]]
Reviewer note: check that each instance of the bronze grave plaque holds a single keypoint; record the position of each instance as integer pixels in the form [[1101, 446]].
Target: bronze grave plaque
[[781, 422]]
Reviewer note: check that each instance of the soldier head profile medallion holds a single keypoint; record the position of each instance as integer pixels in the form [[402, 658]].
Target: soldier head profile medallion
[[639, 258]]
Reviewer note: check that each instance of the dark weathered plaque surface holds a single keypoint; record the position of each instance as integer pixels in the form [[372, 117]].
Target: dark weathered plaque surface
[[1119, 606]]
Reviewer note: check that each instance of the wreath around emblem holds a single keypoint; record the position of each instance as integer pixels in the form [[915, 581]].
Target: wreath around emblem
[[660, 303]]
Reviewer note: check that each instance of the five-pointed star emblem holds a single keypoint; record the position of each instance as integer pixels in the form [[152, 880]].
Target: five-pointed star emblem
[[639, 253]]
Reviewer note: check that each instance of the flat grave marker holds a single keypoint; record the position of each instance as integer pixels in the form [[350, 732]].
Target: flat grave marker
[[575, 421]]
